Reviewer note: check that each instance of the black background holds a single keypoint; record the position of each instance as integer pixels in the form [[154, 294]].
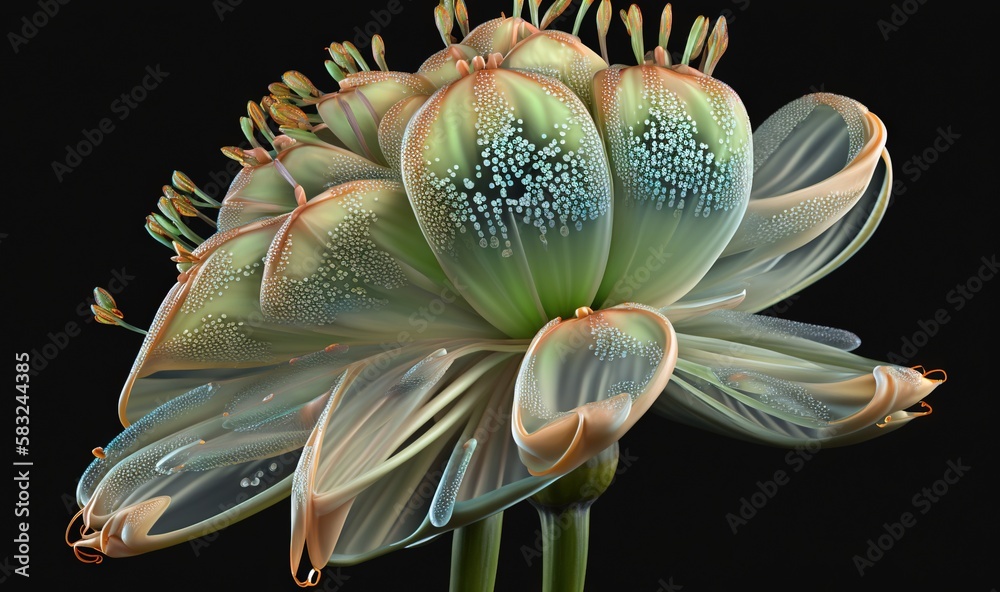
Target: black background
[[664, 519]]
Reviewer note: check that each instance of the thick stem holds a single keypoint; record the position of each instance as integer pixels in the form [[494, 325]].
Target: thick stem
[[474, 554], [565, 540]]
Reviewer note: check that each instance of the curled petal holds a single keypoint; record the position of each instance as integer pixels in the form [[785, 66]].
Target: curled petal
[[776, 386], [585, 381], [819, 161]]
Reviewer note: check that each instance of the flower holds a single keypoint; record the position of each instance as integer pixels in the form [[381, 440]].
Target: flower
[[432, 295]]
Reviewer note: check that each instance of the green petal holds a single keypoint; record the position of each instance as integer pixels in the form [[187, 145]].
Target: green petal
[[498, 35], [585, 381], [771, 383], [679, 143], [508, 179], [353, 263], [561, 56]]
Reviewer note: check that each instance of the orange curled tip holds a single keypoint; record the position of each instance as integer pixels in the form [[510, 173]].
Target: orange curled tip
[[583, 311], [200, 442], [311, 580], [300, 195], [98, 452], [944, 375], [267, 398], [225, 414], [463, 68], [331, 347]]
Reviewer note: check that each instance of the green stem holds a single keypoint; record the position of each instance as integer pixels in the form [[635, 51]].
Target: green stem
[[474, 555], [565, 540]]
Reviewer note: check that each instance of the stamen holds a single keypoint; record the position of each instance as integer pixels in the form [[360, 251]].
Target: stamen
[[533, 9], [354, 53], [185, 184], [462, 16], [445, 20], [106, 312], [334, 70], [699, 30], [518, 9], [342, 58], [286, 115], [240, 155], [378, 52], [666, 22], [633, 25], [168, 209], [280, 91], [246, 124], [300, 84], [584, 7], [603, 24], [554, 11], [717, 44]]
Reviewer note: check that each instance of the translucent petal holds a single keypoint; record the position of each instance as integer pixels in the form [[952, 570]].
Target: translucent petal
[[396, 511], [679, 143], [509, 181], [767, 389], [364, 423], [585, 381], [393, 126]]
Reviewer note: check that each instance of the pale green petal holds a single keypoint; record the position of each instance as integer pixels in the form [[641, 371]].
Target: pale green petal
[[680, 145], [498, 35], [585, 381], [508, 178], [780, 383], [559, 55], [845, 143]]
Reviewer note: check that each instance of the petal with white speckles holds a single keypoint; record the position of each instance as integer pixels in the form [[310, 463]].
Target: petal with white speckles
[[679, 143], [585, 381], [509, 181]]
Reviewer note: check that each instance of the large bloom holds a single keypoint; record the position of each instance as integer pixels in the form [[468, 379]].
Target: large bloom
[[431, 295]]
